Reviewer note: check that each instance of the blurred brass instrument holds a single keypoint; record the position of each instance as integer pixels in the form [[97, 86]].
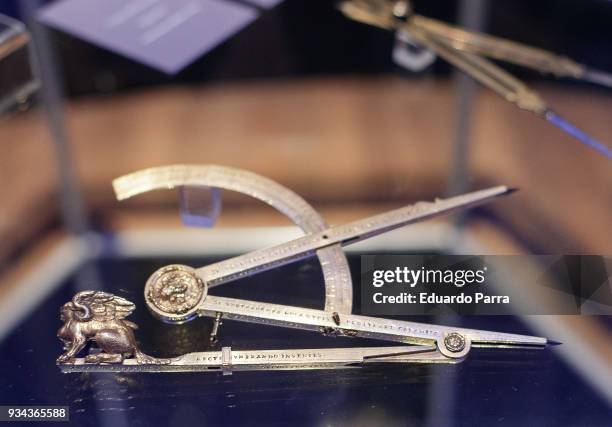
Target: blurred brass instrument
[[466, 50]]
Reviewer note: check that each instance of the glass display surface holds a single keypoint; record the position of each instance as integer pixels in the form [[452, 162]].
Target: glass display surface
[[503, 388]]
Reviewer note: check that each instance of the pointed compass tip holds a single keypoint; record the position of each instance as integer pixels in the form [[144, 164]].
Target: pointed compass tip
[[581, 136], [511, 190], [552, 343]]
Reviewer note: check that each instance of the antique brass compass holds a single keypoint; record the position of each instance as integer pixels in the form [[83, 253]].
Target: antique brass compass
[[178, 293], [466, 51]]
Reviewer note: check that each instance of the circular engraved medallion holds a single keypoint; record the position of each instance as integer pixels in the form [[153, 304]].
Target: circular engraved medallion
[[454, 342], [175, 290]]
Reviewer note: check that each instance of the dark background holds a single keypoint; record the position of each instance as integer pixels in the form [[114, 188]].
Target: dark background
[[308, 38]]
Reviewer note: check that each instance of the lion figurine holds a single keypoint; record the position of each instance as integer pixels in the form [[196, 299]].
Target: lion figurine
[[100, 317]]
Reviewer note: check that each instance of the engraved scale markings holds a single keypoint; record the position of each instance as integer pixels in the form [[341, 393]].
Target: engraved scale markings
[[282, 359], [304, 247], [362, 326], [336, 274]]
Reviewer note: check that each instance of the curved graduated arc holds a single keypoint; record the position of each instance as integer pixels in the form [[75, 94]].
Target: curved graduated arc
[[336, 273]]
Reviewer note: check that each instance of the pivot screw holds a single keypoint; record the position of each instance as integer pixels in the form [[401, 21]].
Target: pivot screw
[[454, 342]]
